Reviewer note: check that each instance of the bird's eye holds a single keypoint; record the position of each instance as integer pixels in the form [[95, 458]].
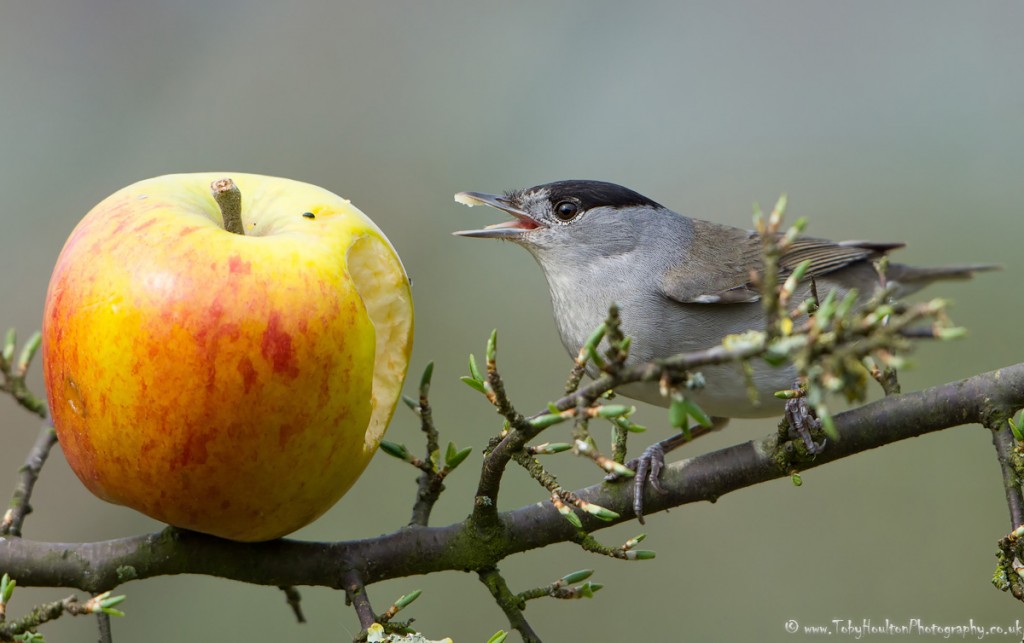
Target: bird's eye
[[567, 210]]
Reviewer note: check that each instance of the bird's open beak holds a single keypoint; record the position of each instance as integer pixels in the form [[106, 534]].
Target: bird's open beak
[[505, 230]]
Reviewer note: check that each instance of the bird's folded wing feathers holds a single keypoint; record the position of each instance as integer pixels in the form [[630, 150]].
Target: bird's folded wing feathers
[[721, 272]]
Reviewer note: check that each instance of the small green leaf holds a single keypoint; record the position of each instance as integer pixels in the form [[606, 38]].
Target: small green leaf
[[677, 412], [827, 424], [551, 448], [953, 332], [599, 512], [788, 394], [407, 599], [111, 601], [474, 384], [411, 403], [474, 371], [796, 229], [620, 470], [544, 421], [626, 344], [492, 346], [626, 425], [394, 450], [846, 305], [823, 316], [107, 605], [577, 576], [573, 519], [615, 411], [587, 590], [457, 458], [795, 276], [7, 585], [10, 339], [29, 351], [775, 218], [498, 637], [595, 357], [640, 554], [428, 374], [797, 480], [596, 337], [697, 413], [1017, 426]]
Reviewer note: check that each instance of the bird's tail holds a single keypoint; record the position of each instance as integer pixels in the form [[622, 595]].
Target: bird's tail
[[914, 276]]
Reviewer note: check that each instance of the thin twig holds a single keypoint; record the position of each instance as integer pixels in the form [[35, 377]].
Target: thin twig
[[520, 431], [294, 600], [1004, 442], [103, 623], [355, 595], [27, 475], [429, 483], [511, 604], [1007, 576], [13, 372], [47, 612]]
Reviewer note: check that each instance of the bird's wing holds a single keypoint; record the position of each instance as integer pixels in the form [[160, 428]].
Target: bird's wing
[[722, 271]]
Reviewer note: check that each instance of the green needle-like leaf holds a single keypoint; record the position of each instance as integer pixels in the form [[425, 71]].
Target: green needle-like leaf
[[7, 585], [29, 351], [544, 421], [428, 374], [697, 413], [10, 339], [615, 411], [407, 599], [474, 371], [394, 449], [640, 554], [599, 512], [457, 458], [573, 519], [474, 384], [1017, 425], [577, 576], [492, 346], [827, 425], [677, 412]]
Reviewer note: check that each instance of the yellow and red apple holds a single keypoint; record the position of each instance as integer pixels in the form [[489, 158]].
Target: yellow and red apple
[[233, 384]]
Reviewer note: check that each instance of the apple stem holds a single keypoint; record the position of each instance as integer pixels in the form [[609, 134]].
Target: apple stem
[[229, 200]]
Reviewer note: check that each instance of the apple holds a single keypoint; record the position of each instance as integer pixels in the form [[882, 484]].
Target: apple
[[232, 384]]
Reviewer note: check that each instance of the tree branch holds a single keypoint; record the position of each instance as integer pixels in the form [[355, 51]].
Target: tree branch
[[410, 551]]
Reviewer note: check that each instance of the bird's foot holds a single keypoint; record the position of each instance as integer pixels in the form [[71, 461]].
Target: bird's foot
[[802, 422], [650, 463], [648, 469]]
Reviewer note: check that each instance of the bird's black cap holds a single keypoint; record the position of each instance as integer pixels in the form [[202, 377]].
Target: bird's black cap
[[591, 194]]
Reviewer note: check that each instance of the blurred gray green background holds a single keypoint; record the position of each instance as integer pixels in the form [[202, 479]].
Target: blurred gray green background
[[882, 120]]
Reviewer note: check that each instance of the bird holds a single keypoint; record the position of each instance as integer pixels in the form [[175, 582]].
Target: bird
[[681, 284]]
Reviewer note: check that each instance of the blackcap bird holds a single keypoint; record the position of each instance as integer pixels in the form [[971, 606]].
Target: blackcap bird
[[682, 284]]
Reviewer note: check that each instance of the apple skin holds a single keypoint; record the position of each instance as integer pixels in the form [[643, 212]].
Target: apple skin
[[219, 382]]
